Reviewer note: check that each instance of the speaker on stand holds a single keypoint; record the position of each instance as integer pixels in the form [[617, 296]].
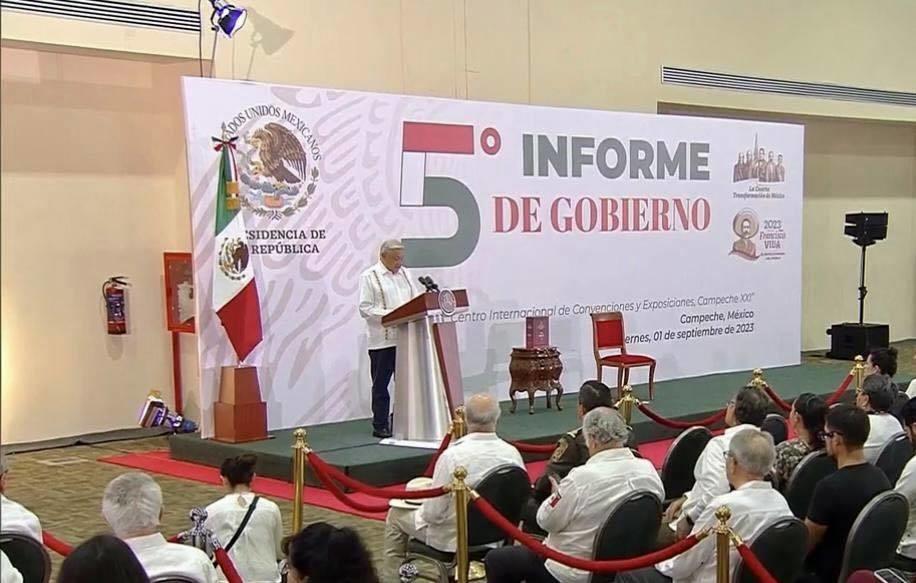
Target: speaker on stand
[[850, 338]]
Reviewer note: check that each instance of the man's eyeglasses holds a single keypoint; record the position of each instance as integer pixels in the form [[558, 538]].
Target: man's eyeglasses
[[727, 455], [830, 434]]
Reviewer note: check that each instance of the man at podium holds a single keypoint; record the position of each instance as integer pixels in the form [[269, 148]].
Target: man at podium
[[383, 287]]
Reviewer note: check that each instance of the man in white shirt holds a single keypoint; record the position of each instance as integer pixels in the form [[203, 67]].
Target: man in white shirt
[[580, 504], [132, 506], [382, 288], [906, 485], [14, 517], [746, 411], [434, 521], [754, 505], [876, 397]]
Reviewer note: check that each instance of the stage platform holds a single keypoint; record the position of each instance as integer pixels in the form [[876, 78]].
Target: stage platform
[[350, 446]]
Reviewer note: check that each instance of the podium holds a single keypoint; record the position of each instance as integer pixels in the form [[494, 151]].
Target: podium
[[240, 415], [427, 378]]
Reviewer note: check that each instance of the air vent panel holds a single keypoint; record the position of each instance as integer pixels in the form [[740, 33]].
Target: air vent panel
[[112, 12]]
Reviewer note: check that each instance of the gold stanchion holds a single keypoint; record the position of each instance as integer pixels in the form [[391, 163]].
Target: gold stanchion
[[757, 380], [626, 403], [723, 537], [459, 426], [858, 371], [461, 492], [300, 447]]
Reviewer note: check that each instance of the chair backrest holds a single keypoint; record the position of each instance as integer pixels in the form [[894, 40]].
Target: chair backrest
[[893, 456], [28, 556], [630, 530], [777, 426], [781, 549], [607, 332], [506, 488], [813, 468], [173, 579], [874, 536], [677, 469]]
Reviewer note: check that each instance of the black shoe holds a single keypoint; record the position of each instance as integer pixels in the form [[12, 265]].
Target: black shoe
[[381, 433]]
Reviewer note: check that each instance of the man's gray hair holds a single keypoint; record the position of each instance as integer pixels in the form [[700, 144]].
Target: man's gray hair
[[754, 451], [131, 504], [390, 245], [603, 426], [482, 413]]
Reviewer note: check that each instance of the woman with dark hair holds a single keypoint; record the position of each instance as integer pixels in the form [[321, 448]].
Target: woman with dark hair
[[322, 553], [807, 421], [102, 559], [249, 527]]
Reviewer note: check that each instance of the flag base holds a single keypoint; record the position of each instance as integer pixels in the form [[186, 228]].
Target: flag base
[[240, 414]]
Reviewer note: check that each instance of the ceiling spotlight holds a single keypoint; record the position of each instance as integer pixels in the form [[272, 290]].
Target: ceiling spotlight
[[227, 17]]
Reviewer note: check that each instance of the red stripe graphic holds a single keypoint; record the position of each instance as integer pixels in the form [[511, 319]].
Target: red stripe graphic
[[441, 138], [241, 317]]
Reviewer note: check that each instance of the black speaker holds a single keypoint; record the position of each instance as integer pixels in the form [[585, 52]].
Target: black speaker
[[849, 339]]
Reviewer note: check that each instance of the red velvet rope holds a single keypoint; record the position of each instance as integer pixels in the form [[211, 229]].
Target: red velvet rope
[[614, 566], [343, 498], [756, 566], [175, 538], [55, 544], [336, 475], [533, 447], [227, 566], [431, 466], [840, 390], [776, 398], [680, 424]]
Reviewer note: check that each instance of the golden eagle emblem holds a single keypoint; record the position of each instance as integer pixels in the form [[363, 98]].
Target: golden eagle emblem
[[281, 155]]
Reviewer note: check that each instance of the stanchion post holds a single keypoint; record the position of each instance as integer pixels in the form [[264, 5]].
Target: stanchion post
[[757, 381], [626, 403], [723, 537], [858, 371], [460, 490], [300, 447], [459, 427]]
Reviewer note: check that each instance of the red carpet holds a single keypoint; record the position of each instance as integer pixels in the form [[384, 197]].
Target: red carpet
[[159, 462]]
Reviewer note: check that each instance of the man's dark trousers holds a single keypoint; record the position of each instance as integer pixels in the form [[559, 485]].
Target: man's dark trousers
[[381, 367]]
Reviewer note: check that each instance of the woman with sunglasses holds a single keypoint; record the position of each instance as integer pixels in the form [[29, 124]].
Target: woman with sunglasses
[[807, 421]]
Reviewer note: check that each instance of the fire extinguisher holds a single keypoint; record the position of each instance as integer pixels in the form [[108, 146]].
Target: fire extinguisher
[[114, 296]]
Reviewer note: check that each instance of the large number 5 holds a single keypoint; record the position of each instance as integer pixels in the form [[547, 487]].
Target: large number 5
[[419, 190]]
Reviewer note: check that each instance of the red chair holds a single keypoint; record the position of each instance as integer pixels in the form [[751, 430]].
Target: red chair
[[608, 334]]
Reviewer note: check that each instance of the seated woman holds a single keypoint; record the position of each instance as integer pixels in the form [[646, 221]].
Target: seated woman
[[102, 559], [807, 421], [322, 553], [248, 526]]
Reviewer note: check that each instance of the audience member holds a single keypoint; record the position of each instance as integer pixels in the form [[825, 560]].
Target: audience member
[[882, 361], [321, 553], [480, 451], [14, 517], [747, 410], [571, 450], [807, 421], [876, 398], [8, 573], [580, 504], [906, 485], [132, 506], [839, 497], [754, 505], [102, 559], [251, 524]]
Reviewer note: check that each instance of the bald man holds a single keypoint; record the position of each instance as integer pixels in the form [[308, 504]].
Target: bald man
[[433, 522]]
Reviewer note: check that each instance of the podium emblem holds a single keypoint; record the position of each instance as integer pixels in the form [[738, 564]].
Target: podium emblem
[[447, 302]]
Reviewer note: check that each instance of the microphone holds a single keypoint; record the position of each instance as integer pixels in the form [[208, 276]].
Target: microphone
[[428, 283]]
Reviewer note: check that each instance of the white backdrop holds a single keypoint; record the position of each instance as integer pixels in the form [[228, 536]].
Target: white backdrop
[[577, 210]]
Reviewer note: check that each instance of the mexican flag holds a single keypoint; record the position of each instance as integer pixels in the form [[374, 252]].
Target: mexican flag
[[235, 292]]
